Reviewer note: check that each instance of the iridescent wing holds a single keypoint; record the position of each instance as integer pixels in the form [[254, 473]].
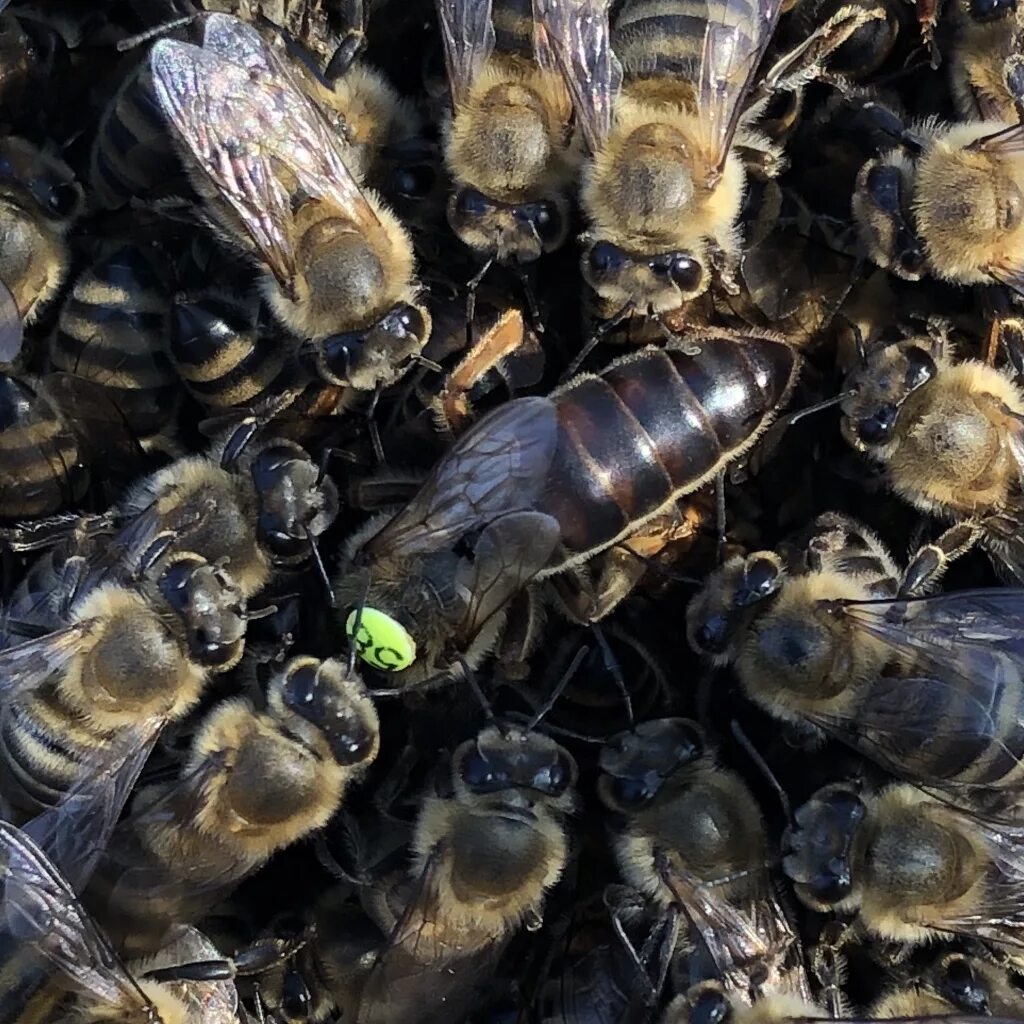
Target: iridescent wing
[[497, 467], [255, 137], [578, 37], [467, 34], [733, 46], [26, 666], [40, 909], [11, 333]]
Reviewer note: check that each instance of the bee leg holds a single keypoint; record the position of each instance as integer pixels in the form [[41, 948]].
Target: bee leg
[[353, 40], [929, 563], [261, 956], [828, 964], [1013, 77], [587, 599]]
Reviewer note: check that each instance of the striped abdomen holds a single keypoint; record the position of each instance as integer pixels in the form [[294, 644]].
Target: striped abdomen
[[132, 156], [223, 355], [40, 465], [112, 331], [654, 426], [664, 38]]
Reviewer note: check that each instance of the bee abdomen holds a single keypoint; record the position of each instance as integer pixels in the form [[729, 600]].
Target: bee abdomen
[[655, 39], [655, 426], [111, 331], [132, 155]]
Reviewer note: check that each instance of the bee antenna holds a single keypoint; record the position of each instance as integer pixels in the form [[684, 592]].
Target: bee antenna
[[123, 45], [828, 403], [471, 287], [378, 444], [474, 685], [320, 567], [558, 689], [353, 639], [762, 766], [531, 297], [261, 613], [596, 337], [612, 664], [426, 363]]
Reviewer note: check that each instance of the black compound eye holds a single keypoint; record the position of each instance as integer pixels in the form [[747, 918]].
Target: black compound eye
[[415, 182], [713, 634], [709, 1008], [405, 321], [991, 10], [635, 792], [760, 580], [878, 428], [960, 985], [920, 368], [470, 203], [340, 351], [480, 775], [275, 537], [296, 1001], [833, 884], [554, 778], [605, 258], [547, 222], [62, 199], [300, 690], [686, 272]]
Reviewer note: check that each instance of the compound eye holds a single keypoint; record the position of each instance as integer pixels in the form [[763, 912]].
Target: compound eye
[[686, 272], [605, 258], [404, 322], [920, 368], [633, 792], [553, 779], [713, 634], [274, 536], [481, 776], [300, 689], [878, 428], [710, 1008], [339, 351], [960, 984], [832, 885], [760, 580], [991, 10], [415, 182], [62, 199], [689, 743], [470, 203]]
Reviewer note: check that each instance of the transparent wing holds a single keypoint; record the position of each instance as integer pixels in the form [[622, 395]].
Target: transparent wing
[[256, 136], [11, 333], [951, 658], [41, 910], [467, 34], [424, 963], [734, 43], [1007, 141], [578, 37], [498, 466], [25, 666]]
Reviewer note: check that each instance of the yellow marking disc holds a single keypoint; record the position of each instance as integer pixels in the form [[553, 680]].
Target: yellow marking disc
[[382, 642]]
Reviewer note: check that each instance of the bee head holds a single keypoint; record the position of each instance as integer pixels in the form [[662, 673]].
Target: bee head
[[660, 281]]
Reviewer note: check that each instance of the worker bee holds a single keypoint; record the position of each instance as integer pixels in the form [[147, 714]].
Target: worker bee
[[112, 330], [42, 911], [337, 265], [987, 37], [129, 658], [912, 868], [253, 783], [483, 860], [509, 142], [946, 203], [39, 201], [663, 186], [927, 687], [949, 436], [693, 840], [541, 486]]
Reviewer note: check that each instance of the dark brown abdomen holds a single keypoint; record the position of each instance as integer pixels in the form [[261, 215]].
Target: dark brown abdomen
[[656, 425]]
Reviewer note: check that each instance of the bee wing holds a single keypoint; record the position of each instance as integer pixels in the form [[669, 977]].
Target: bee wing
[[467, 34], [1008, 141], [955, 654], [11, 331], [27, 665], [41, 910], [247, 124], [734, 42], [75, 833], [421, 965], [577, 34], [497, 467]]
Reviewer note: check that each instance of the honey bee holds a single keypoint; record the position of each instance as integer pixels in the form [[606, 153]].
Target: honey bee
[[912, 868], [926, 687], [946, 203], [42, 911], [112, 330], [980, 68], [709, 1000], [509, 142], [39, 201], [130, 658], [663, 186], [950, 437], [337, 266], [540, 486], [253, 783], [483, 859], [693, 840]]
